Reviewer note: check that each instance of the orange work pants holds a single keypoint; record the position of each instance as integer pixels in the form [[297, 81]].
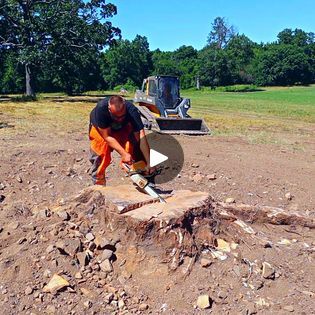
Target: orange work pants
[[100, 151]]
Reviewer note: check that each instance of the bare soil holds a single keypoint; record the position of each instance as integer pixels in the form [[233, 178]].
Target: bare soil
[[42, 168]]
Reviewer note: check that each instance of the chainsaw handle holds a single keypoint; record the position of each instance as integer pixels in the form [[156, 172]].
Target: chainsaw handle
[[126, 166]]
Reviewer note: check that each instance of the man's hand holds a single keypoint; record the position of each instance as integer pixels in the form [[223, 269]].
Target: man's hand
[[149, 170], [126, 158]]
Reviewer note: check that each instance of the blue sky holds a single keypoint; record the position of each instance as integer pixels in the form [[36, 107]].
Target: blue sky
[[169, 24]]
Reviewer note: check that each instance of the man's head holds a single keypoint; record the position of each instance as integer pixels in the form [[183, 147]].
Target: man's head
[[117, 108]]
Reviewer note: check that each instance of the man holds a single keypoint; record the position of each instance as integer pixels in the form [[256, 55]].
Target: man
[[116, 125]]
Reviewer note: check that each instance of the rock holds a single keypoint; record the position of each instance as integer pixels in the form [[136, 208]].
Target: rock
[[2, 197], [70, 172], [86, 292], [13, 226], [289, 196], [121, 304], [109, 297], [78, 275], [60, 245], [69, 246], [223, 245], [205, 262], [262, 302], [55, 284], [106, 266], [50, 249], [28, 290], [2, 186], [143, 307], [204, 301], [19, 179], [289, 308], [218, 255], [268, 271], [51, 309], [90, 237], [230, 200], [211, 177], [92, 246], [43, 214], [194, 165], [47, 273], [83, 258], [87, 304], [101, 242], [64, 215], [222, 295], [106, 254], [250, 309], [284, 241], [72, 246], [21, 240], [197, 178], [246, 228]]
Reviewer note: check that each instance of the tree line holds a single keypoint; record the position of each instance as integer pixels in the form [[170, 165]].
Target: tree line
[[71, 46]]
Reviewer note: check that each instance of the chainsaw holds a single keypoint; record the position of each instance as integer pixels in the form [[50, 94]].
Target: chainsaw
[[143, 183]]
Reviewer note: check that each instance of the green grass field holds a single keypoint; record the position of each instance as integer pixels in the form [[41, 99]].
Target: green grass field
[[272, 110], [273, 115]]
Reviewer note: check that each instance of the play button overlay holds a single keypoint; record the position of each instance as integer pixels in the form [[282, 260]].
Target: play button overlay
[[156, 158], [166, 154]]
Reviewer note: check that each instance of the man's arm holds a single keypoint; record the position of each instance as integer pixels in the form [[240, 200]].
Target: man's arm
[[114, 144], [144, 145], [145, 149]]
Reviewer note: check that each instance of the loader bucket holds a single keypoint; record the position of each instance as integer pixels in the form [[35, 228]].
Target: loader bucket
[[189, 126]]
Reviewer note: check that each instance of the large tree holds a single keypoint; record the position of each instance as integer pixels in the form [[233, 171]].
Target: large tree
[[58, 33], [214, 66], [127, 61], [164, 63], [186, 59], [221, 33], [283, 65], [297, 37], [240, 50], [10, 73]]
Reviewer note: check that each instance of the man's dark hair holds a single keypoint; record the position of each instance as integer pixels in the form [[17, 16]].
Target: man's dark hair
[[117, 101]]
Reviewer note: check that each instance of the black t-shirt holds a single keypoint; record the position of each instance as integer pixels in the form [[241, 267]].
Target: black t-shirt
[[101, 118]]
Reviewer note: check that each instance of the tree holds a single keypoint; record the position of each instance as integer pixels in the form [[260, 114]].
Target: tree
[[214, 66], [164, 63], [297, 37], [283, 65], [181, 63], [128, 60], [221, 33], [10, 73], [55, 32], [240, 50], [186, 59]]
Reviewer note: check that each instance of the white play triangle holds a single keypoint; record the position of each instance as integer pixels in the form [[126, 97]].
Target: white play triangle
[[156, 158]]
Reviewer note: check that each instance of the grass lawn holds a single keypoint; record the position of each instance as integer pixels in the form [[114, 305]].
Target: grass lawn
[[263, 114], [273, 115]]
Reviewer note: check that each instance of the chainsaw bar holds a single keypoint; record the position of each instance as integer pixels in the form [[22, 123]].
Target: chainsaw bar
[[142, 183]]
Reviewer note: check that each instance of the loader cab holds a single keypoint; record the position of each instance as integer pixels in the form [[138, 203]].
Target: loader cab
[[165, 89], [168, 91], [149, 87]]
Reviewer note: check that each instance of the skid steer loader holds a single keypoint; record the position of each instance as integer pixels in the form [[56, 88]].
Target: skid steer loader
[[163, 110]]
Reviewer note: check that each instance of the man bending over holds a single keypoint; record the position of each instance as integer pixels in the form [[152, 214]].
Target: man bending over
[[115, 124]]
